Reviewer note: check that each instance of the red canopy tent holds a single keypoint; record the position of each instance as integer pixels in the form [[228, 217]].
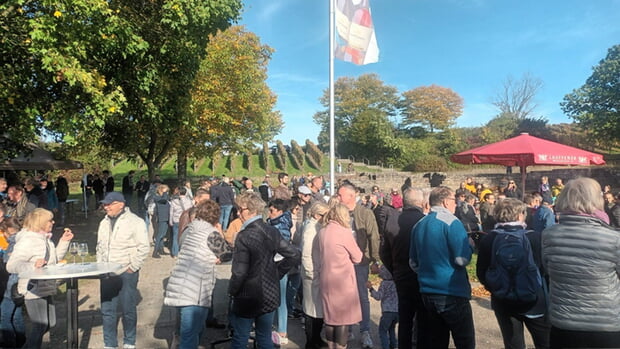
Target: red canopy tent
[[525, 150]]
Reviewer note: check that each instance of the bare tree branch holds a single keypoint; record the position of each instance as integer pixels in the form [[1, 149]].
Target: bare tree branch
[[517, 97]]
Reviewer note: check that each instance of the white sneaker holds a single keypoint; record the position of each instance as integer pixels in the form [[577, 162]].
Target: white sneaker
[[366, 340], [277, 339], [129, 346]]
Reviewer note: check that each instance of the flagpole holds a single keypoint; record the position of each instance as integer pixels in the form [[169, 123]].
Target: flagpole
[[332, 151]]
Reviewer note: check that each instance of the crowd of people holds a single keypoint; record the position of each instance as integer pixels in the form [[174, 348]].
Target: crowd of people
[[550, 258]]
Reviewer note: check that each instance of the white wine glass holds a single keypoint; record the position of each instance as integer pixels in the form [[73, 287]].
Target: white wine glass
[[83, 250], [73, 249]]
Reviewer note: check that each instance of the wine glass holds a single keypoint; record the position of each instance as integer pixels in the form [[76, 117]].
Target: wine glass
[[83, 250], [73, 249]]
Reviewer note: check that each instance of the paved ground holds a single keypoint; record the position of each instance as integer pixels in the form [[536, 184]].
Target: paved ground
[[156, 321]]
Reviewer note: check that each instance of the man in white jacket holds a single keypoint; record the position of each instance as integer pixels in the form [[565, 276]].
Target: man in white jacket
[[121, 238]]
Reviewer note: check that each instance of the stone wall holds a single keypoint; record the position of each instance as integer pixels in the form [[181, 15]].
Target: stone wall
[[387, 179]]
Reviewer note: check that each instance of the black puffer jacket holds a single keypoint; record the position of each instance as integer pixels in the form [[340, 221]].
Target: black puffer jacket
[[255, 281]]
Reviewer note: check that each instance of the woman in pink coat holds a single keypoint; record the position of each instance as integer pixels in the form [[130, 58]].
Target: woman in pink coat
[[338, 253]]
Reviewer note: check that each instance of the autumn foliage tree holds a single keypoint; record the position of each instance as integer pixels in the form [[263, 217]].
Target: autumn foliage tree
[[231, 103], [432, 107]]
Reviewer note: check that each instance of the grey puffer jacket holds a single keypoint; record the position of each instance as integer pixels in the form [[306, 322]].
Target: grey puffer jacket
[[193, 277], [581, 255]]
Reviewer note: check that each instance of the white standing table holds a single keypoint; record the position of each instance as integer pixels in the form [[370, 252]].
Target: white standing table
[[72, 273]]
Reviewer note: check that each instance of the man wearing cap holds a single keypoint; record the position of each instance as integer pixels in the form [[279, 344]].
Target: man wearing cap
[[121, 238]]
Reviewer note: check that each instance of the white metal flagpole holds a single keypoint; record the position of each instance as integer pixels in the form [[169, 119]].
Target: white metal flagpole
[[332, 147]]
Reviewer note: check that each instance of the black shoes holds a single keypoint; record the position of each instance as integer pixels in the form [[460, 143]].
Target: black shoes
[[214, 324]]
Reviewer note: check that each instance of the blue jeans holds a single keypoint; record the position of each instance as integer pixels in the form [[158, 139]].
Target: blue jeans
[[174, 250], [444, 315], [225, 215], [13, 332], [162, 229], [361, 274], [193, 319], [241, 331], [120, 290], [387, 329], [294, 281], [282, 310]]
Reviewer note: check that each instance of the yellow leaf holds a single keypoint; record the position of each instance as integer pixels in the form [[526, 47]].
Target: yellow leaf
[[112, 109], [11, 100]]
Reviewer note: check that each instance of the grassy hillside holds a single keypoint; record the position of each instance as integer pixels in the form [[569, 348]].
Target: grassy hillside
[[231, 165]]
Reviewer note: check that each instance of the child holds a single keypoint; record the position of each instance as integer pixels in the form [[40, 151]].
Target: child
[[12, 320], [389, 308]]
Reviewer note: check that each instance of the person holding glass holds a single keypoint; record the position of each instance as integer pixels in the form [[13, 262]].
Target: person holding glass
[[35, 249]]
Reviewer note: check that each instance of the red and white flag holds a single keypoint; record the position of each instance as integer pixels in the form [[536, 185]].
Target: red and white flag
[[355, 39]]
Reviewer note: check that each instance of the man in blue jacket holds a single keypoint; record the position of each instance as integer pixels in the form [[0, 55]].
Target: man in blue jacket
[[439, 252]]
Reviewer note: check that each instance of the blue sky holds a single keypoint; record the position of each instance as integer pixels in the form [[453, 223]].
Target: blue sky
[[470, 46]]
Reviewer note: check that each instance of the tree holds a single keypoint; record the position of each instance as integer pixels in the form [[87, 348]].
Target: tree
[[117, 73], [50, 77], [231, 104], [433, 107], [516, 97], [357, 101], [596, 105]]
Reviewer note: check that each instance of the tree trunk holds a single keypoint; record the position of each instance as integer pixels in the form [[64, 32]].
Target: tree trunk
[[181, 164]]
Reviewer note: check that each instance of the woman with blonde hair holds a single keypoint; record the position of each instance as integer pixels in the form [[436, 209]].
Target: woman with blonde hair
[[581, 255], [35, 249], [310, 264], [338, 253]]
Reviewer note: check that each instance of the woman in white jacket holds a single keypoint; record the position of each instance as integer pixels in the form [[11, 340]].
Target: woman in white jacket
[[34, 249], [310, 264], [191, 283]]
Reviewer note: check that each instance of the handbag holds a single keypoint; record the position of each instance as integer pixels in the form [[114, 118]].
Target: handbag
[[17, 297]]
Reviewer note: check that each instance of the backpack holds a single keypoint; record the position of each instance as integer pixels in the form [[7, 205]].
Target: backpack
[[512, 275]]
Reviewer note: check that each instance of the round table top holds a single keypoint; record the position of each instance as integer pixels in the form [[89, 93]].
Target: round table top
[[71, 270]]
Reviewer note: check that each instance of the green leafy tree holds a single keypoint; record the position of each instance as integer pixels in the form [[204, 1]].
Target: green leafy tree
[[499, 128], [357, 101], [433, 107], [596, 105], [52, 55], [117, 72]]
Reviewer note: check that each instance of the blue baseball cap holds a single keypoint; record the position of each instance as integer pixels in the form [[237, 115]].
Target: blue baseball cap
[[112, 197]]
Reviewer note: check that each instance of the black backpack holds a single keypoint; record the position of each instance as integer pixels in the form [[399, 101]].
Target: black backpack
[[513, 276]]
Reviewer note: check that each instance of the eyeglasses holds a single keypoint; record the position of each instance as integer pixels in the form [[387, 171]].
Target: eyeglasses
[[240, 209]]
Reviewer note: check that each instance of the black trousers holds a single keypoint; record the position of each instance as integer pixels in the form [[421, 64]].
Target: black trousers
[[511, 326], [583, 339], [409, 303]]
